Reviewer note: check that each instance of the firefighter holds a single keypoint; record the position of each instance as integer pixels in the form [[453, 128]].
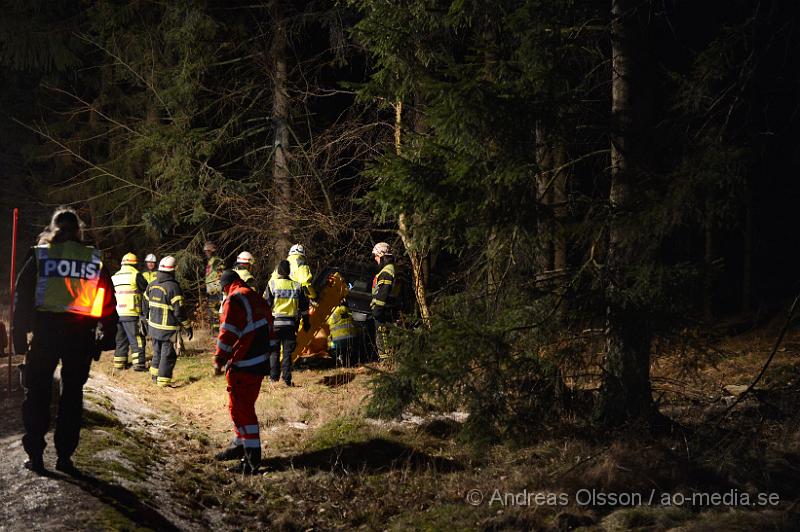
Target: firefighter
[[150, 272], [343, 333], [383, 300], [243, 263], [289, 304], [214, 267], [243, 353], [165, 309], [129, 285], [299, 270], [64, 295]]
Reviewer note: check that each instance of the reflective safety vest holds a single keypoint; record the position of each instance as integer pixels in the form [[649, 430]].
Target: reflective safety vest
[[214, 268], [129, 299], [341, 324], [68, 279], [384, 289], [286, 303], [246, 276], [300, 272], [149, 276]]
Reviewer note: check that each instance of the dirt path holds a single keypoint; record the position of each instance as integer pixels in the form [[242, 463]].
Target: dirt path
[[119, 491]]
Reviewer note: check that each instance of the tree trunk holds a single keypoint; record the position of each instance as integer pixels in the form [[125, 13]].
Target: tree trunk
[[417, 256], [281, 178], [625, 393], [708, 266], [544, 192], [560, 210], [747, 259]]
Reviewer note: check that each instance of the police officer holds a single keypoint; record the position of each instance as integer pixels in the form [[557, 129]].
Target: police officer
[[164, 306], [383, 296], [289, 306], [65, 297], [129, 285]]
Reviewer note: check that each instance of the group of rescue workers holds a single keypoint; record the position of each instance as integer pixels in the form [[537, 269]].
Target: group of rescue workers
[[75, 309]]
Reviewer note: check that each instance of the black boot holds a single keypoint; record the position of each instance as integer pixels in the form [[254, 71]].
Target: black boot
[[234, 452], [139, 367], [251, 460], [36, 464], [66, 466]]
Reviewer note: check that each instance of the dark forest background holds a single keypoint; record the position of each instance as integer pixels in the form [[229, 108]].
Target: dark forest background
[[572, 186]]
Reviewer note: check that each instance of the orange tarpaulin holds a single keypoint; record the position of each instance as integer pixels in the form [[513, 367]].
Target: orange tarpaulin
[[314, 342]]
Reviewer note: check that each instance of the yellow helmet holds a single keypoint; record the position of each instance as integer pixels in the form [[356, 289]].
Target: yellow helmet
[[130, 258]]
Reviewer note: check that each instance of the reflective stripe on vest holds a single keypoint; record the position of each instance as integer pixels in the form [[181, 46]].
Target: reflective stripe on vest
[[341, 325], [250, 326], [129, 299], [149, 276], [287, 298], [160, 313], [68, 279]]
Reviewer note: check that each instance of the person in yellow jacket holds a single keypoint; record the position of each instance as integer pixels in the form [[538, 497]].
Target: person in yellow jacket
[[289, 305], [299, 271], [129, 285], [343, 333], [244, 262], [150, 272]]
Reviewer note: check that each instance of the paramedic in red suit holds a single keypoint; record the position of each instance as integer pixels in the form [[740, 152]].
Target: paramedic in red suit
[[245, 341]]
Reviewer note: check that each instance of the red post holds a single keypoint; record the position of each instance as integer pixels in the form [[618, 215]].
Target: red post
[[11, 296]]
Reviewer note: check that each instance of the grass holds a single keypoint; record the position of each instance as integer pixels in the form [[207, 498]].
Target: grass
[[328, 467]]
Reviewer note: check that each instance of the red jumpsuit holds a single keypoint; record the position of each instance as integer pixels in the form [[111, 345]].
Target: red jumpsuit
[[246, 337]]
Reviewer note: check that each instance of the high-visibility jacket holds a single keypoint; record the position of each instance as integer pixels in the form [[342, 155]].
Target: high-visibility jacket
[[163, 304], [246, 276], [246, 335], [300, 272], [341, 324], [68, 279], [214, 268], [149, 276], [53, 288], [383, 288], [129, 285], [287, 300]]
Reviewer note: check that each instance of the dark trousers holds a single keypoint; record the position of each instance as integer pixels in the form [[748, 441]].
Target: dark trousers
[[287, 339], [344, 351], [381, 343], [54, 341], [128, 336], [164, 358]]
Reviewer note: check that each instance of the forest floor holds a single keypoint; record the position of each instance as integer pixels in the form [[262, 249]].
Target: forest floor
[[147, 457]]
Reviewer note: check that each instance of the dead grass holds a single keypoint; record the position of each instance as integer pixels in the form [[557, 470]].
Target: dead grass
[[330, 468]]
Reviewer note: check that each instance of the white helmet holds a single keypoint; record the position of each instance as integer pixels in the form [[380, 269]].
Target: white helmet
[[297, 249], [150, 258], [244, 258], [167, 264], [381, 248]]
